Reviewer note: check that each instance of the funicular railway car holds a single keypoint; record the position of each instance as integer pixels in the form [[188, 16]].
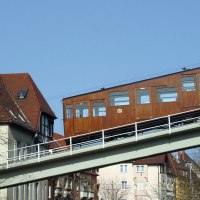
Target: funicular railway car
[[134, 102]]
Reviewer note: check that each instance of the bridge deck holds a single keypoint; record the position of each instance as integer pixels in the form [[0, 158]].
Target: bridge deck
[[143, 140]]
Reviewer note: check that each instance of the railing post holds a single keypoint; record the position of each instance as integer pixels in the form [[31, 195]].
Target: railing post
[[103, 141], [38, 152], [19, 154], [169, 123], [7, 160], [70, 145], [136, 132]]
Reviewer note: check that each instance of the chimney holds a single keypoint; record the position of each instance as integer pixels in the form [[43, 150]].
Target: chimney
[[179, 155], [183, 155]]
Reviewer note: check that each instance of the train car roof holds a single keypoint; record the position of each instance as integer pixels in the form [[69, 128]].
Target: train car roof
[[102, 89]]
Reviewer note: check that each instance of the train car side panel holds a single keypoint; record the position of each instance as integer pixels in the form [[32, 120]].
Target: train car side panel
[[124, 104], [120, 109], [189, 91]]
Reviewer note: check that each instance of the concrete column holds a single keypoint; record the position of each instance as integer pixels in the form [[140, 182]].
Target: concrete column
[[33, 191], [15, 193], [26, 191]]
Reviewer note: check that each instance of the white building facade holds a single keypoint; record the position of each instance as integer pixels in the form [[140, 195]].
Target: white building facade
[[144, 179]]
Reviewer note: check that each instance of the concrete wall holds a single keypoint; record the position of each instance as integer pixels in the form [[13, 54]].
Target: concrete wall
[[154, 182], [144, 185], [3, 140], [10, 136], [140, 181], [4, 147]]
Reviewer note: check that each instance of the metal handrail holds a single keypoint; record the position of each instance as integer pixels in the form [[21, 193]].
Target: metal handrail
[[39, 151]]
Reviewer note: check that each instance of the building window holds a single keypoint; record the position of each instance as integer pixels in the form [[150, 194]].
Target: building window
[[140, 168], [46, 128], [124, 184], [167, 94], [140, 186], [187, 83], [119, 98], [123, 168], [143, 96], [82, 110], [98, 109], [22, 94], [69, 111]]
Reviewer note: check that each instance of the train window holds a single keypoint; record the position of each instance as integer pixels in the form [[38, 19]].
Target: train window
[[143, 96], [82, 110], [188, 83], [199, 81], [119, 98], [167, 94], [98, 109], [69, 111]]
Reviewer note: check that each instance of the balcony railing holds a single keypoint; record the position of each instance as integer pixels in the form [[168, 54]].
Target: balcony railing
[[135, 131]]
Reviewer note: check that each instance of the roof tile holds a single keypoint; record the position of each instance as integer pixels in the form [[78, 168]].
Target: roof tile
[[29, 108]]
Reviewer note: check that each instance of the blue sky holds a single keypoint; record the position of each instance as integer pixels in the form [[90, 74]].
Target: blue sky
[[73, 46]]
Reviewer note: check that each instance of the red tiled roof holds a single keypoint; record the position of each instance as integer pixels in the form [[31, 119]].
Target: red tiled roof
[[29, 108], [174, 165], [60, 143], [154, 160], [9, 111], [185, 157]]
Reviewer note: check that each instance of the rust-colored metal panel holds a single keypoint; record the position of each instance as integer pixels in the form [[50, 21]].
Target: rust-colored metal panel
[[82, 125], [82, 122], [189, 98], [117, 115], [69, 127], [166, 108], [98, 122], [143, 110]]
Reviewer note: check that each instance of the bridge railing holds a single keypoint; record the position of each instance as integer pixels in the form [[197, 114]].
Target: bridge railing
[[99, 138]]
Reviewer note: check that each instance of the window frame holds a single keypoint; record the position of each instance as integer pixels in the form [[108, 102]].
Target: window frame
[[188, 81], [140, 168], [69, 111], [123, 168], [81, 110], [199, 81], [148, 96], [119, 98], [46, 127], [167, 91], [96, 106], [124, 185]]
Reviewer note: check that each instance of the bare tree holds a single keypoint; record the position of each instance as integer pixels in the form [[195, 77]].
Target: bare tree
[[195, 154], [195, 174], [111, 189]]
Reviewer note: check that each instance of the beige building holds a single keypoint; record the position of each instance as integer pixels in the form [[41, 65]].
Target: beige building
[[145, 179], [116, 180], [163, 177]]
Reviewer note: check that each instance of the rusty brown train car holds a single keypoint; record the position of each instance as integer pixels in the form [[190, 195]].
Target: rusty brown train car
[[133, 102]]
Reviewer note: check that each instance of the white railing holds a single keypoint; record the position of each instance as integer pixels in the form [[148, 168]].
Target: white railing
[[100, 138]]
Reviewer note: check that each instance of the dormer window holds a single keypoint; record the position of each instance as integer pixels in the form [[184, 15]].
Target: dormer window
[[22, 94]]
